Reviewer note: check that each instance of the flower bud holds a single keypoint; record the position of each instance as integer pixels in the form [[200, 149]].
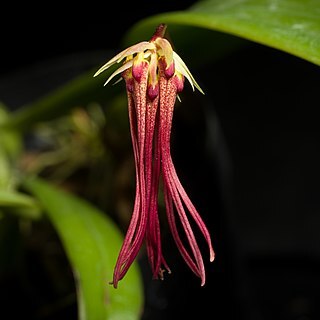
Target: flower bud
[[178, 80], [138, 66], [169, 71], [127, 76], [153, 91]]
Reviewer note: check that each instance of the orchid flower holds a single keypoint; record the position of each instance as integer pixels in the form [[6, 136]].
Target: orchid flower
[[154, 75]]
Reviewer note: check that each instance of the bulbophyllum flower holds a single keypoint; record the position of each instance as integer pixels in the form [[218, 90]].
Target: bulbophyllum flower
[[154, 75]]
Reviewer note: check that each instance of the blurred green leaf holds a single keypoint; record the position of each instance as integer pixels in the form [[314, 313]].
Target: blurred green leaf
[[11, 198], [20, 204], [79, 91], [10, 148], [92, 242], [11, 140], [292, 26]]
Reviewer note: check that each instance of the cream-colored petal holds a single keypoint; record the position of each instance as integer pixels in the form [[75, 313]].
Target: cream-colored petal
[[153, 69], [147, 54], [139, 47], [165, 50], [119, 80], [183, 69], [124, 67]]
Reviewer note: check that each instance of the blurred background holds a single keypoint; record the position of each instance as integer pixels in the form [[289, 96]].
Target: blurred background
[[247, 152]]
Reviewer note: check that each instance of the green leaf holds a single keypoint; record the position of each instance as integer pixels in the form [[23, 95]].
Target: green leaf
[[11, 141], [81, 90], [19, 203], [292, 26], [10, 150], [12, 198], [92, 242]]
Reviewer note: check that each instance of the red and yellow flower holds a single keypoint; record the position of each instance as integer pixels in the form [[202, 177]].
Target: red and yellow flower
[[154, 75]]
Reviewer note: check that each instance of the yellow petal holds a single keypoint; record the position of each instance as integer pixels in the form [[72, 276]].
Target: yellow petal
[[183, 69], [124, 67], [165, 50], [153, 79], [139, 47]]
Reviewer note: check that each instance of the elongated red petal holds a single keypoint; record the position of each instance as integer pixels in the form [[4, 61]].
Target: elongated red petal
[[174, 189], [139, 220]]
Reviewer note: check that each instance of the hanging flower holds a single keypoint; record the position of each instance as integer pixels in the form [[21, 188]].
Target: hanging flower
[[154, 75]]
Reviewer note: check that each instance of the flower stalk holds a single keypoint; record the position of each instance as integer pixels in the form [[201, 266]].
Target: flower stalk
[[154, 76]]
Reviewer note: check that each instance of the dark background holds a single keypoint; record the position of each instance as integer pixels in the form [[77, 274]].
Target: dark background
[[256, 134], [35, 33]]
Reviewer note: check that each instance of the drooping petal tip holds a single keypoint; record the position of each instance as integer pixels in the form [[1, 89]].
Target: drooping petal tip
[[212, 255], [183, 69]]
